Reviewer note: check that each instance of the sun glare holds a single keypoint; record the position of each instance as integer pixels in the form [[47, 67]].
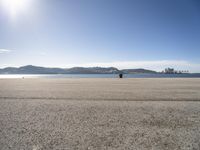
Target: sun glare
[[15, 7]]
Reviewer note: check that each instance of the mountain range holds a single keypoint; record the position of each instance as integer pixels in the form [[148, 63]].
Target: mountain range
[[29, 69]]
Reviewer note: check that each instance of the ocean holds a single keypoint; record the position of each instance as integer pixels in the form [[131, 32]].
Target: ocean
[[17, 76]]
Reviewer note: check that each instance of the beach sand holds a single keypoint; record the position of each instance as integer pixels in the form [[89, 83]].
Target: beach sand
[[100, 114]]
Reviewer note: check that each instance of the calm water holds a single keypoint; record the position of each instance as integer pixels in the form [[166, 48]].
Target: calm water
[[101, 76]]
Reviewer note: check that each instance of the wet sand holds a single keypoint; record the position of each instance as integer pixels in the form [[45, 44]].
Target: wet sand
[[100, 114]]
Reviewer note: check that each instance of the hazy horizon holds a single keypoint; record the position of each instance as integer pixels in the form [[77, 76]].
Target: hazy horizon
[[108, 33], [122, 65]]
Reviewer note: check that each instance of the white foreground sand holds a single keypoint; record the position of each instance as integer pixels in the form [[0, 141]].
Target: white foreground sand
[[100, 114]]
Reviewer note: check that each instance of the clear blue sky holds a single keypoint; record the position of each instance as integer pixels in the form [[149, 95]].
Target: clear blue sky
[[108, 32]]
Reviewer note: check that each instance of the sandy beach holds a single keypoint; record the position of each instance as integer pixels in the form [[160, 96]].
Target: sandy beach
[[69, 114]]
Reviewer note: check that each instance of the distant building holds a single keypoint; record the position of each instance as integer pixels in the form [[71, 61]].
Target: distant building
[[169, 71], [172, 71]]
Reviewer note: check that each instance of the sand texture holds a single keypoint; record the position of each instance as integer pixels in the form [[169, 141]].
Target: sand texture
[[110, 114]]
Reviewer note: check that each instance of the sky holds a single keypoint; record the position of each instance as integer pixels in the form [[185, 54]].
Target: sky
[[151, 34]]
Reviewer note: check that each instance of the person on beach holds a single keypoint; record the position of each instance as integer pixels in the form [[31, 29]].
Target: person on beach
[[120, 75]]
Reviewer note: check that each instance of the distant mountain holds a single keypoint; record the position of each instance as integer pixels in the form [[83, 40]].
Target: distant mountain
[[92, 70], [133, 71], [75, 70], [31, 70]]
